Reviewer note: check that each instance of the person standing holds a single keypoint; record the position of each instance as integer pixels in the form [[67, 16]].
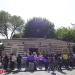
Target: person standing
[[59, 59], [73, 59], [40, 57], [1, 59], [46, 62], [66, 60], [5, 62], [30, 62], [19, 62], [12, 61], [52, 62], [25, 62]]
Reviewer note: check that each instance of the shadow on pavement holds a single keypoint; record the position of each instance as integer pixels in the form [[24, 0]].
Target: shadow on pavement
[[17, 71], [62, 72], [53, 73]]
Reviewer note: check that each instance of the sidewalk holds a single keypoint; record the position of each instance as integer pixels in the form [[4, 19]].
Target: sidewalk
[[64, 72], [44, 73]]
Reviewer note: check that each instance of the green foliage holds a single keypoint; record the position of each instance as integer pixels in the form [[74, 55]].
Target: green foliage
[[34, 28], [4, 21], [7, 22], [66, 34], [39, 28], [16, 24], [17, 36]]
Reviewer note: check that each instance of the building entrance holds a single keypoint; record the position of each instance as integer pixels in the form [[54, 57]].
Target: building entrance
[[31, 50]]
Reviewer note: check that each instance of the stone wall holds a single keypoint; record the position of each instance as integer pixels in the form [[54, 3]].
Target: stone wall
[[22, 46]]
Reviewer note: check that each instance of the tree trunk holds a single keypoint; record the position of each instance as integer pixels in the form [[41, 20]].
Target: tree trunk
[[12, 33]]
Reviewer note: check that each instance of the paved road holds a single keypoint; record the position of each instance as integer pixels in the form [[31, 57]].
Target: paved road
[[65, 72]]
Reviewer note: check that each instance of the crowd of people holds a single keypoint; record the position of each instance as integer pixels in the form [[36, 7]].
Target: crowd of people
[[33, 61]]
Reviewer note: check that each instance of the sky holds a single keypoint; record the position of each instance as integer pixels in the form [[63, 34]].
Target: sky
[[60, 12]]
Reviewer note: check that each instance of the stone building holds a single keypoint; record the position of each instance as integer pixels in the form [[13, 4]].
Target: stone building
[[38, 45]]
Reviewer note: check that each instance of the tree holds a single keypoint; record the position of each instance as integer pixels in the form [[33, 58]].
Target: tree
[[4, 21], [10, 23], [66, 34], [16, 24], [39, 28]]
